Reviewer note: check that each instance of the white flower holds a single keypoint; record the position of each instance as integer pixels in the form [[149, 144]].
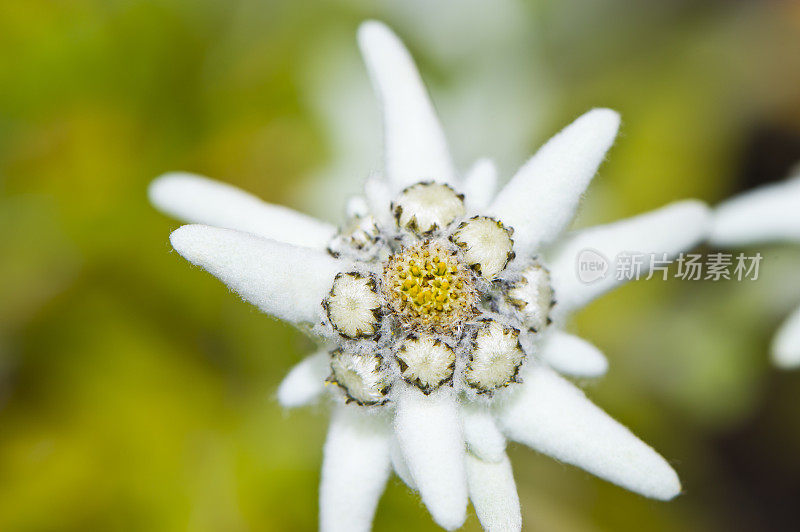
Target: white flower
[[768, 214], [438, 307]]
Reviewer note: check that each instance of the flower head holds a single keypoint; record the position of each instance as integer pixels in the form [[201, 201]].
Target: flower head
[[767, 214], [438, 305]]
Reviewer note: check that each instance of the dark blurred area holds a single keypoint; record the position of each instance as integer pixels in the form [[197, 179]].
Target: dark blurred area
[[136, 393]]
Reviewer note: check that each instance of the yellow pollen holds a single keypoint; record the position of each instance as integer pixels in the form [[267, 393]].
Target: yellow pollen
[[426, 285]]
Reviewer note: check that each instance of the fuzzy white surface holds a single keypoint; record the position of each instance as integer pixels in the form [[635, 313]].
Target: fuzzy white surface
[[494, 494], [379, 198], [671, 229], [431, 439], [483, 437], [786, 344], [196, 199], [767, 214], [480, 184], [400, 466], [355, 469], [552, 416], [415, 145], [288, 282], [305, 381], [571, 355], [540, 200]]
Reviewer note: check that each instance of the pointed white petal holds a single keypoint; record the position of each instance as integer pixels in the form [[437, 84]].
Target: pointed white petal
[[483, 437], [571, 355], [494, 494], [766, 214], [379, 198], [416, 149], [286, 281], [354, 470], [429, 431], [480, 184], [400, 466], [540, 200], [554, 417], [672, 229], [195, 199], [786, 345], [305, 382]]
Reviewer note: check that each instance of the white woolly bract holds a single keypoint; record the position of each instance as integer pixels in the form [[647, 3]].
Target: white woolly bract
[[400, 466], [199, 200], [786, 345], [671, 229], [540, 200], [494, 494], [480, 184], [414, 145], [496, 357], [360, 376], [532, 294], [427, 206], [571, 355], [353, 305], [767, 214], [428, 429], [263, 272], [485, 244], [554, 417], [483, 438], [305, 382], [425, 361], [355, 469]]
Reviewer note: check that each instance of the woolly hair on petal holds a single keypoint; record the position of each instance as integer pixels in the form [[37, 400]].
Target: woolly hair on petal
[[400, 466], [195, 199], [786, 345], [552, 416], [540, 200], [480, 184], [493, 493], [415, 145], [355, 469], [483, 438], [428, 428], [767, 214], [571, 355], [286, 281], [305, 381], [671, 229]]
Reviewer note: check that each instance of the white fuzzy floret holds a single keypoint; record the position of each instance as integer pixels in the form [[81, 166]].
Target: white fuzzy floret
[[533, 295], [360, 376], [485, 244], [352, 305], [425, 361], [496, 357], [427, 206]]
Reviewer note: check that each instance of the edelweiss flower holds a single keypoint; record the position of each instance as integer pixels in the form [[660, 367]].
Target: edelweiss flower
[[439, 321], [767, 214]]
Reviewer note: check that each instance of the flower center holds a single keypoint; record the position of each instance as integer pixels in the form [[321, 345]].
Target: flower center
[[426, 285]]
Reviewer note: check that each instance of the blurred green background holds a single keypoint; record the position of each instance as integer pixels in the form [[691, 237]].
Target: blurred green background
[[137, 394]]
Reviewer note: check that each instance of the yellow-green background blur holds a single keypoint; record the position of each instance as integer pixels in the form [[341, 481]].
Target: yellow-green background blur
[[137, 393]]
